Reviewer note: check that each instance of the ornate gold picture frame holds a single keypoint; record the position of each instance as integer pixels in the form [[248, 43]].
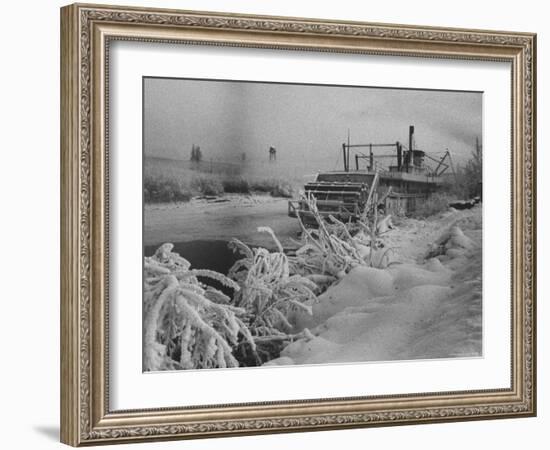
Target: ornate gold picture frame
[[87, 32]]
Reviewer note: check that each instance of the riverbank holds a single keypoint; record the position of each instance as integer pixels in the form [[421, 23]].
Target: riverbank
[[220, 219]]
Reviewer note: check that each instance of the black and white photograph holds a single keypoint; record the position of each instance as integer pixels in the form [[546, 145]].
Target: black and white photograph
[[297, 224]]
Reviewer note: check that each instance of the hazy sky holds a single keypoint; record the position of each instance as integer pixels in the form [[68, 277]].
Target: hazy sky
[[302, 121]]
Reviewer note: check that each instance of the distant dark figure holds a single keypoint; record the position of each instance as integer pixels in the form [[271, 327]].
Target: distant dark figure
[[196, 153], [272, 153], [243, 156]]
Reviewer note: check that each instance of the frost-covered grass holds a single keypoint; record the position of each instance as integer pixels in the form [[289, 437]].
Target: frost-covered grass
[[164, 183], [164, 190]]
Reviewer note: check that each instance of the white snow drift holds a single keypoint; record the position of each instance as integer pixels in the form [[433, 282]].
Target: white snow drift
[[428, 307]]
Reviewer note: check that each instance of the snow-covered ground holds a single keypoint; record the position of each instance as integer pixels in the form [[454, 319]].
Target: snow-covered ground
[[426, 304]]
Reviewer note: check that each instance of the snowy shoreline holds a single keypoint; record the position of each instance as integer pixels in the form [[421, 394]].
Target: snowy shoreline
[[222, 218], [409, 291], [427, 305]]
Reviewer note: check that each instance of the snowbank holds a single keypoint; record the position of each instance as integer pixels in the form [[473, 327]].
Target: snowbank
[[429, 307]]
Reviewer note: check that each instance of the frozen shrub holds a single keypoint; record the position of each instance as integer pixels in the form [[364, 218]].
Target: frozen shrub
[[236, 186], [434, 204], [262, 185], [276, 188], [157, 189], [207, 186], [329, 251], [187, 325], [282, 189], [269, 292]]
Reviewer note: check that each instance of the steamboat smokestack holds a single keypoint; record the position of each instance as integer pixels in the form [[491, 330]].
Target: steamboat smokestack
[[411, 134], [399, 156]]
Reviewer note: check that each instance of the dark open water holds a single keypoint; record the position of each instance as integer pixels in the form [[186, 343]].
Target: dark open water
[[204, 254]]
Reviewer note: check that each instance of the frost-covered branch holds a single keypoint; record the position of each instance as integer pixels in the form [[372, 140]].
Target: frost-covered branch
[[268, 290], [187, 325]]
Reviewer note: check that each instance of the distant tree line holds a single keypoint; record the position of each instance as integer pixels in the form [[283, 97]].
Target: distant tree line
[[469, 177], [472, 172]]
